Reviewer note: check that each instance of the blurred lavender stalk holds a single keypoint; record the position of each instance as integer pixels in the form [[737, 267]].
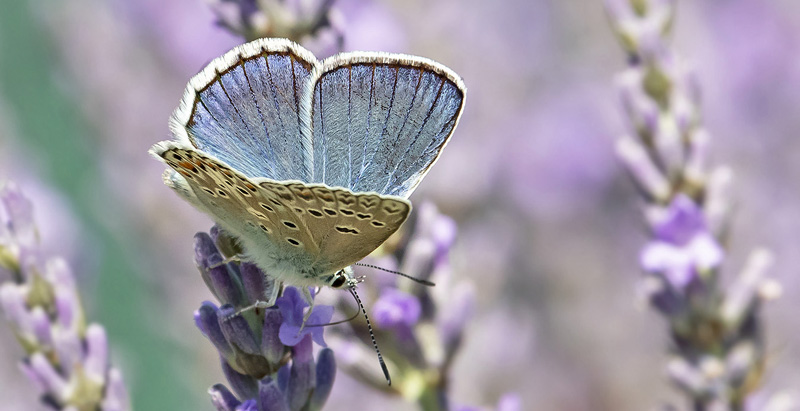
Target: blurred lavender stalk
[[313, 23], [66, 359], [267, 361], [419, 328], [717, 341]]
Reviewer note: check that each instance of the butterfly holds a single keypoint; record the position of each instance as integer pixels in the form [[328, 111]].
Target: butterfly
[[309, 163]]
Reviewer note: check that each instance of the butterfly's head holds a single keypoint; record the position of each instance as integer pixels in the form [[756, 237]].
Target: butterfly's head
[[342, 279]]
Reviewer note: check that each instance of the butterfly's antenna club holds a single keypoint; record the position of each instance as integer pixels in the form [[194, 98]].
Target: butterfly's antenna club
[[415, 279], [372, 336]]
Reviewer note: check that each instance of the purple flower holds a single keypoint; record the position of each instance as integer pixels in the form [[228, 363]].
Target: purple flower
[[303, 385], [67, 358], [682, 245], [396, 310], [688, 209], [440, 229], [268, 363], [314, 22], [292, 306], [418, 327]]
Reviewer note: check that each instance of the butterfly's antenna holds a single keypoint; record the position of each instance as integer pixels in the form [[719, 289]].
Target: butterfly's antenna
[[372, 336], [415, 279], [335, 322]]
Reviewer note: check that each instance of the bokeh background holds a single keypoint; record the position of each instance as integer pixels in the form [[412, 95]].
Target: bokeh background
[[549, 225]]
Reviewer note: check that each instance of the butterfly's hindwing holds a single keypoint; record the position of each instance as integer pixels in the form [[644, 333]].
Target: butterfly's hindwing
[[304, 232], [364, 222], [346, 226], [260, 218]]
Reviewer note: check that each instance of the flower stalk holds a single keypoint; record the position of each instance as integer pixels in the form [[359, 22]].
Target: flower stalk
[[419, 328], [717, 344], [65, 358], [307, 22]]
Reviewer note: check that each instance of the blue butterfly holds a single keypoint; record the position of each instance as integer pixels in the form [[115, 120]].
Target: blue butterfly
[[309, 163]]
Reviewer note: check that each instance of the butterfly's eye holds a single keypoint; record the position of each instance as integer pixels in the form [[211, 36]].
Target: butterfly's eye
[[339, 280]]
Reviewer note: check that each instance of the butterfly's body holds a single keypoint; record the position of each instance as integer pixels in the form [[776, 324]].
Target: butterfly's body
[[309, 163]]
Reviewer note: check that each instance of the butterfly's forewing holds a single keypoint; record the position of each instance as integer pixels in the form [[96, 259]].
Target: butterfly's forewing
[[244, 109], [380, 121]]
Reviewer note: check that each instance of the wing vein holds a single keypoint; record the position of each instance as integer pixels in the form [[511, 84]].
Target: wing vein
[[261, 117], [447, 125], [208, 111], [349, 124], [405, 120], [277, 108], [421, 127], [300, 129], [322, 133], [385, 122], [244, 123], [369, 123]]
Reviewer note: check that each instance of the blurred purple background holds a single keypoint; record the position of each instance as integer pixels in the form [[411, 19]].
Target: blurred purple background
[[549, 225]]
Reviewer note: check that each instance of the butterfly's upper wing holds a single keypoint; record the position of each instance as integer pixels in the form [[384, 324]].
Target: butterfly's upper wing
[[244, 109], [380, 120], [296, 232]]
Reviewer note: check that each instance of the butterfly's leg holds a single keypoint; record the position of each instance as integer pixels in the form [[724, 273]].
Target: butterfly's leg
[[310, 300], [273, 295], [232, 259], [262, 305]]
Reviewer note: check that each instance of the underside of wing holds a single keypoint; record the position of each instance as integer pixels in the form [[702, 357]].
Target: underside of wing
[[295, 232], [345, 226], [381, 120], [366, 220], [244, 109], [272, 235]]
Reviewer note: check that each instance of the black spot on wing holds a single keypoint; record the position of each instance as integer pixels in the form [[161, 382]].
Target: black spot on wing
[[346, 230]]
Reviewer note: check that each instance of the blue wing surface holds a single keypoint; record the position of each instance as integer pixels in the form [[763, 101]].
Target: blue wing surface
[[244, 109], [380, 121]]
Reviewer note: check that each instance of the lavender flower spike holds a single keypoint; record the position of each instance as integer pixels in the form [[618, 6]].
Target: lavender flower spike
[[65, 358], [717, 343], [297, 20], [420, 328], [267, 360], [682, 247]]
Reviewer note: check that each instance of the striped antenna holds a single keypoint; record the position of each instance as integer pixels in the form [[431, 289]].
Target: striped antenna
[[415, 279], [372, 336]]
